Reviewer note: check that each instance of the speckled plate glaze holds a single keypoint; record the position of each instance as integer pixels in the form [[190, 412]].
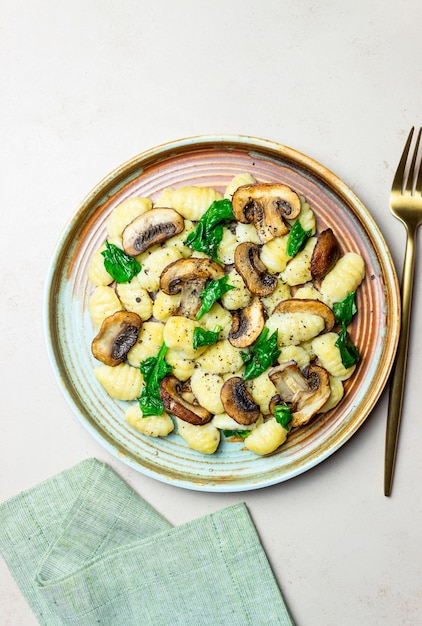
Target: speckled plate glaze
[[213, 161]]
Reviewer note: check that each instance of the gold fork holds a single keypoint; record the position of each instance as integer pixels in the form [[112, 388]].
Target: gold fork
[[406, 205]]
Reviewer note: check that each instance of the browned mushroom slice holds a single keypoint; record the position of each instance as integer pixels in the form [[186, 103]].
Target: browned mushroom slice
[[307, 305], [267, 205], [151, 228], [247, 324], [189, 277], [171, 390], [306, 392], [118, 333], [238, 402], [252, 270], [325, 254]]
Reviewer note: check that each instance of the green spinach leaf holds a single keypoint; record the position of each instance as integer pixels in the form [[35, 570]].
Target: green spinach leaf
[[263, 354], [283, 415], [242, 434], [202, 337], [297, 239], [348, 351], [208, 233], [121, 267], [345, 309], [212, 292], [153, 370]]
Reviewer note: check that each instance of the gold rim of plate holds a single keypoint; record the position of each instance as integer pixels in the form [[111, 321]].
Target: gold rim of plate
[[213, 160]]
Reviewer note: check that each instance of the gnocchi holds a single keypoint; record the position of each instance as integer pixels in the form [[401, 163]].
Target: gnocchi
[[206, 373]]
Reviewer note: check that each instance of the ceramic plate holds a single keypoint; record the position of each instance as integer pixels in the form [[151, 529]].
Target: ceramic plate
[[213, 161]]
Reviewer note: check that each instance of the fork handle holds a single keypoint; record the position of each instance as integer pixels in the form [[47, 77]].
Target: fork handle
[[399, 370]]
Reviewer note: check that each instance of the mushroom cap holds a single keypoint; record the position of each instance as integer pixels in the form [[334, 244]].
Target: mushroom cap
[[118, 333], [307, 305], [306, 392], [188, 277], [267, 205], [191, 269], [171, 390], [247, 324], [151, 228], [324, 255], [238, 402], [252, 270]]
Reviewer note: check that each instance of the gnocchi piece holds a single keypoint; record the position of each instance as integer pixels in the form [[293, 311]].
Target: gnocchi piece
[[103, 302], [135, 299], [306, 217], [345, 277], [295, 353], [240, 296], [298, 270], [281, 292], [125, 213], [204, 438], [266, 438], [246, 232], [153, 264], [206, 388], [225, 422], [122, 382], [217, 316], [274, 254], [329, 356], [178, 240], [190, 201], [262, 390], [178, 334], [236, 182], [221, 358], [183, 368], [228, 245], [97, 273], [295, 327], [308, 292], [337, 393], [148, 344], [164, 305], [152, 426]]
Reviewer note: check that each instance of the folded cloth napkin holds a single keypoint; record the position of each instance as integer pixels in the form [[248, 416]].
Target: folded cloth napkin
[[84, 548]]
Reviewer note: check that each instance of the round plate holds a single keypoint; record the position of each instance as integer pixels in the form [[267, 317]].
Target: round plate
[[214, 161]]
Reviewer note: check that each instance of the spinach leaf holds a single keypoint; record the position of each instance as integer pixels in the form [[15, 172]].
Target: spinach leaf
[[348, 351], [153, 369], [202, 337], [121, 267], [208, 233], [212, 292], [283, 415], [297, 239], [263, 354], [242, 434], [345, 309]]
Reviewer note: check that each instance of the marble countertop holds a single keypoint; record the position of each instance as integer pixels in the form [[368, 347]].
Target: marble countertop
[[87, 86]]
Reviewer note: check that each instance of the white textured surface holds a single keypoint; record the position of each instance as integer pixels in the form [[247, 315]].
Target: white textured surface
[[87, 85]]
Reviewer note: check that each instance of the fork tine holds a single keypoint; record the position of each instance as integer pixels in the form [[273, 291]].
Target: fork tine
[[411, 173], [418, 185], [398, 181]]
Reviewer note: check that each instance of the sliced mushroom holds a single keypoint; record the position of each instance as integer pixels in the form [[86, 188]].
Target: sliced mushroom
[[267, 205], [151, 228], [171, 392], [325, 254], [247, 324], [307, 305], [252, 270], [238, 402], [189, 277], [118, 333], [306, 392]]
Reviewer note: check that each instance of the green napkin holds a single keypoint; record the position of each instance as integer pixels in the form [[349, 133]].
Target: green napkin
[[84, 548]]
